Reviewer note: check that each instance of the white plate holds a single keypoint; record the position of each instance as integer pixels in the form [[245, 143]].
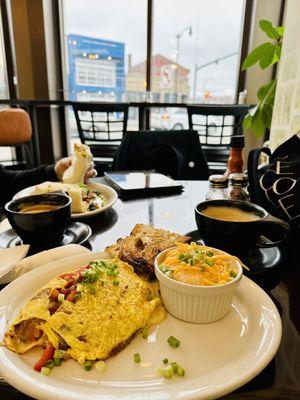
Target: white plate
[[218, 357], [109, 193]]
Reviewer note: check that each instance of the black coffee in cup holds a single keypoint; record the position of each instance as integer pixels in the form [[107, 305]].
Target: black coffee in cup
[[238, 226]]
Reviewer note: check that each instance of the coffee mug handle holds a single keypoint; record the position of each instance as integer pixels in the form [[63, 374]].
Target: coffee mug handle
[[266, 226]]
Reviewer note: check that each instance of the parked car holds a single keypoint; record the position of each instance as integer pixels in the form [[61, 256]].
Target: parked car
[[166, 119], [177, 119]]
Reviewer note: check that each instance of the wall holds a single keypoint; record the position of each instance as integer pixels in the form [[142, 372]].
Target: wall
[[286, 115]]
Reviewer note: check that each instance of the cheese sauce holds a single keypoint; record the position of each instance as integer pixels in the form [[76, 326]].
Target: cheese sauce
[[199, 265]]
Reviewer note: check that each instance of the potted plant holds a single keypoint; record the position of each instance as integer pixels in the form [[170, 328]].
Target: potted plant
[[267, 54]]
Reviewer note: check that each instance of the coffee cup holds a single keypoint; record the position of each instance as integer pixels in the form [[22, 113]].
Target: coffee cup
[[40, 220], [238, 226]]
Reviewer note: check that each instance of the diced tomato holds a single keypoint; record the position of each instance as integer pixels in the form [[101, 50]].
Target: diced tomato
[[65, 291], [71, 296], [53, 306], [70, 282], [67, 276], [48, 353], [71, 278], [54, 294]]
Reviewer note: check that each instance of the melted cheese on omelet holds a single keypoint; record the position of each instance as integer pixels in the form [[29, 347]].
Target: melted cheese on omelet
[[101, 322]]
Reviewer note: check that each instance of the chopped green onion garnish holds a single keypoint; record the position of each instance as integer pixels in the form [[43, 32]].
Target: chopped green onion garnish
[[209, 253], [88, 365], [173, 342], [174, 366], [57, 362], [79, 288], [163, 268], [160, 371], [169, 372], [180, 371], [232, 274], [77, 296], [100, 366], [137, 357], [59, 353], [145, 332], [49, 364], [116, 282], [61, 297], [165, 361], [169, 274], [210, 262], [45, 371]]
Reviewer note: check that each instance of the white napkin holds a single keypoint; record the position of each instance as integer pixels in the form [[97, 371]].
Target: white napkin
[[39, 259]]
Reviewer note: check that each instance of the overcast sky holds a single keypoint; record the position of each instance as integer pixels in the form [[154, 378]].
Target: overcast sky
[[216, 26]]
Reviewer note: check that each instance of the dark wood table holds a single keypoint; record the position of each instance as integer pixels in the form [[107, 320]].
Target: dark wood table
[[281, 378]]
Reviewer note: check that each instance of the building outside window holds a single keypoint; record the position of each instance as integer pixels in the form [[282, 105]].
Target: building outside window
[[195, 52]]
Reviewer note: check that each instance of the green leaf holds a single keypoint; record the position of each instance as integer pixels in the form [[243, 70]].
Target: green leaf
[[269, 57], [247, 122], [280, 30], [267, 113], [258, 125], [278, 50], [255, 55], [263, 90], [269, 29], [269, 97]]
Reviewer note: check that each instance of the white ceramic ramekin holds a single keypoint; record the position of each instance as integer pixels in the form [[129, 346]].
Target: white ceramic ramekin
[[193, 303]]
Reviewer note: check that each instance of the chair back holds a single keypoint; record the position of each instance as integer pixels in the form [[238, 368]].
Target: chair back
[[215, 125], [101, 124], [174, 153], [15, 127]]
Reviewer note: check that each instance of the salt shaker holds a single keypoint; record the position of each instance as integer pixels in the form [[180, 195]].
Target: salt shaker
[[238, 188], [218, 188]]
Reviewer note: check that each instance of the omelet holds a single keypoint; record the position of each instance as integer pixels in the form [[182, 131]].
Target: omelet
[[90, 313]]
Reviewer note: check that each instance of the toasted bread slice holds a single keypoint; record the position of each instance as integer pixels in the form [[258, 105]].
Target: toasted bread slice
[[114, 249], [143, 245]]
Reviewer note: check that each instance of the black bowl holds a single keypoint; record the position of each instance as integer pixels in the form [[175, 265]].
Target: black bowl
[[42, 229]]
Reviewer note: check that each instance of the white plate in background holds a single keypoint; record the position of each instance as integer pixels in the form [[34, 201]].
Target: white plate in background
[[109, 193]]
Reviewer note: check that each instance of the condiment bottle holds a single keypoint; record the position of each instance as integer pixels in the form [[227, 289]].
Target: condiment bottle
[[235, 160], [218, 188], [238, 188]]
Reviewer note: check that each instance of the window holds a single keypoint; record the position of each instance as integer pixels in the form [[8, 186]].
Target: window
[[105, 52], [100, 73], [196, 48], [195, 52]]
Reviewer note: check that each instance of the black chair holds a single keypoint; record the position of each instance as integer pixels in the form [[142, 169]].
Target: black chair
[[101, 126], [215, 125], [174, 153]]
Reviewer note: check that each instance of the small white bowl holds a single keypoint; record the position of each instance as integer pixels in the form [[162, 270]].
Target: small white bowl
[[194, 303]]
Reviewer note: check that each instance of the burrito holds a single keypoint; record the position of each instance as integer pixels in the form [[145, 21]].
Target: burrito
[[81, 160], [83, 199]]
